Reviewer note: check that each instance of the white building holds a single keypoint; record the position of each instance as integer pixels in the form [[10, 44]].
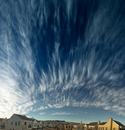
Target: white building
[[19, 122]]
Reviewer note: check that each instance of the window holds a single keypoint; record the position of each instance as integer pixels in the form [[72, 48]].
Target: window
[[24, 123], [11, 123], [3, 126], [15, 123], [18, 123], [113, 128], [29, 126]]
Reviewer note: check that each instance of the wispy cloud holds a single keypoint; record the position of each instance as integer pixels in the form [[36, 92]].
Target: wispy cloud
[[82, 85], [91, 73], [16, 62], [61, 114]]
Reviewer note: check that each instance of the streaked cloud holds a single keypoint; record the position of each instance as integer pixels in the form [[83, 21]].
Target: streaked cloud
[[61, 114], [47, 65]]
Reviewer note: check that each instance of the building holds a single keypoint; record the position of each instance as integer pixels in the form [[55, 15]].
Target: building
[[111, 125], [37, 125], [91, 126], [68, 126], [22, 122], [19, 122], [77, 126]]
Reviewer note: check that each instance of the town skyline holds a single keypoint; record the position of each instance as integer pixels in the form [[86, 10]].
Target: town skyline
[[83, 120], [22, 122]]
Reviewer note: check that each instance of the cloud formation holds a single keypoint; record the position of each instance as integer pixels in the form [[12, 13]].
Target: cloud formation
[[16, 62], [61, 54]]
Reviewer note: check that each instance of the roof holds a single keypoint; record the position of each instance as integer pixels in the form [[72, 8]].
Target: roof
[[102, 123], [23, 117], [93, 123], [119, 123]]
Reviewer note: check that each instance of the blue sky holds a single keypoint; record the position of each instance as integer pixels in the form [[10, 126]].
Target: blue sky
[[62, 59]]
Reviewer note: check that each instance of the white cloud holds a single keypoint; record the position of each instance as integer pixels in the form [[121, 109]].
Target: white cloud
[[85, 78], [63, 82], [16, 64]]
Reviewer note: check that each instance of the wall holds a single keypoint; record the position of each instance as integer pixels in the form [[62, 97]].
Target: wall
[[110, 125]]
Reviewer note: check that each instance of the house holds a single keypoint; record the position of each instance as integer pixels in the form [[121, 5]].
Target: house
[[111, 125], [36, 124], [19, 122], [78, 126], [92, 126], [68, 126]]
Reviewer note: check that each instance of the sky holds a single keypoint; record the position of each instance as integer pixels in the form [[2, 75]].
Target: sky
[[63, 59]]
